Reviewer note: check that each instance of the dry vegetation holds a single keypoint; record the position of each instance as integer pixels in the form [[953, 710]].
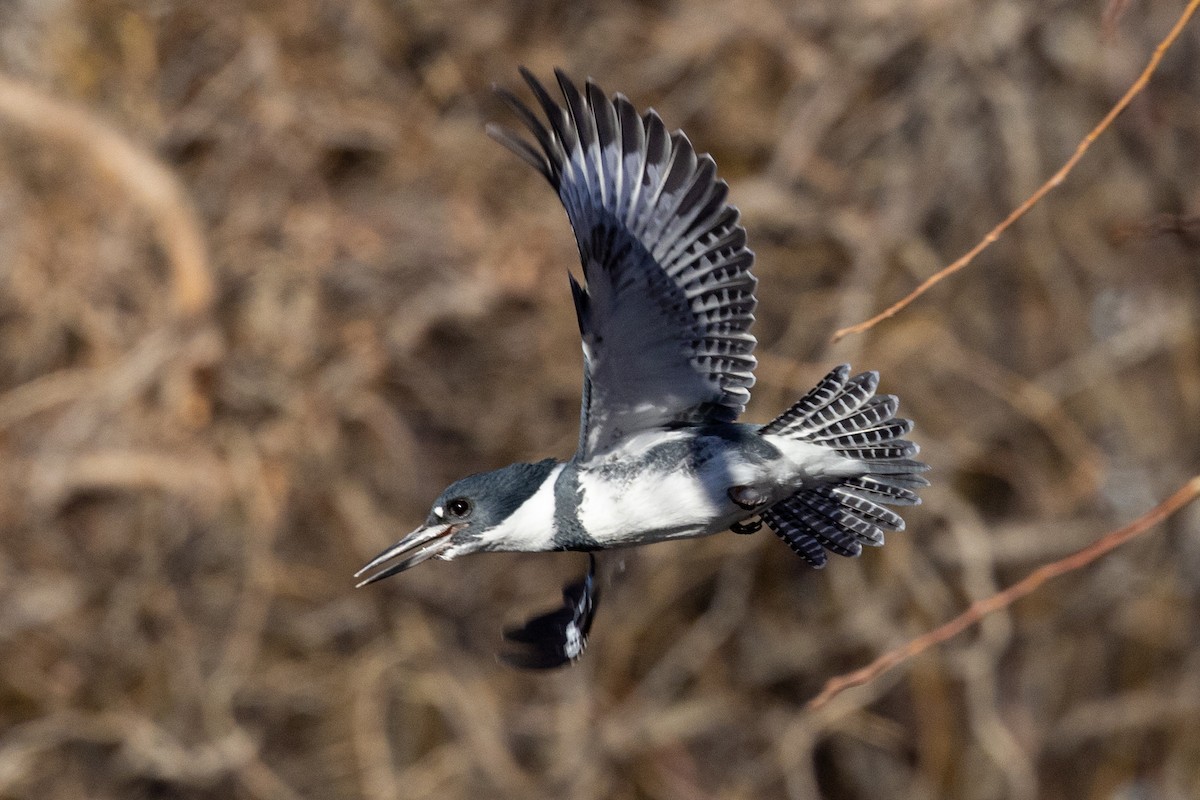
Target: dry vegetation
[[265, 286]]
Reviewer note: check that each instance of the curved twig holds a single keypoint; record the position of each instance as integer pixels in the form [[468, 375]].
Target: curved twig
[[1042, 190], [981, 608]]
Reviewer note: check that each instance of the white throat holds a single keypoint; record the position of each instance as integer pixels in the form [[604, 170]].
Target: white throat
[[529, 529]]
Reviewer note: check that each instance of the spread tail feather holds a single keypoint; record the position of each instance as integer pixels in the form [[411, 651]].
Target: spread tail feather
[[845, 415]]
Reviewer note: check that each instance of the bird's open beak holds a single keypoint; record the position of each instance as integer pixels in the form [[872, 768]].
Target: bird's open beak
[[430, 539]]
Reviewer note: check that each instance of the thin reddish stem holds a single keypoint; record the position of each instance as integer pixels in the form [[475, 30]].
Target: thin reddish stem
[[981, 608], [1042, 190]]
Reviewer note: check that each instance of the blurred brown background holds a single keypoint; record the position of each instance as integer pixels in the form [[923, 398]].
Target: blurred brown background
[[184, 500]]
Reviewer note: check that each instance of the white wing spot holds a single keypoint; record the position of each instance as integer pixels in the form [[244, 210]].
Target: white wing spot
[[573, 646]]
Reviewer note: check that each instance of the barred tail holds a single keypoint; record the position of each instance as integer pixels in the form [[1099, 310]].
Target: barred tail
[[843, 414]]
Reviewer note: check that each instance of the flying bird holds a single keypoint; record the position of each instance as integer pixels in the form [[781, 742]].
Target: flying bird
[[665, 309]]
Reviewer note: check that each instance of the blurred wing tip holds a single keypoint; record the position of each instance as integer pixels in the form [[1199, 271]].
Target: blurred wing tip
[[560, 636]]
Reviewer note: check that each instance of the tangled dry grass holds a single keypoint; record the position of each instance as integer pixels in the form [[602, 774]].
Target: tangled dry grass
[[266, 287]]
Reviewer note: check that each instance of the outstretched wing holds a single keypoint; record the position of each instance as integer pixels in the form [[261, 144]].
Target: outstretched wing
[[668, 303]]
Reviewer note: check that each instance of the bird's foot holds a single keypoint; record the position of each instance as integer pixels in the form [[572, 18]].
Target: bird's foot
[[747, 497], [752, 525]]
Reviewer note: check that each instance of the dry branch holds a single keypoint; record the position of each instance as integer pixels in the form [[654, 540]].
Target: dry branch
[[1043, 190], [981, 608]]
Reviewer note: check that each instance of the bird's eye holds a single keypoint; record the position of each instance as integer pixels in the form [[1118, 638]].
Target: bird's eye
[[459, 506]]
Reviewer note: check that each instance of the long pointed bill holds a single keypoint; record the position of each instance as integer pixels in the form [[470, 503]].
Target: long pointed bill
[[431, 540]]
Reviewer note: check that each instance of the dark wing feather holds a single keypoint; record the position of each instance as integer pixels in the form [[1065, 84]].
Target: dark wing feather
[[557, 638], [668, 300]]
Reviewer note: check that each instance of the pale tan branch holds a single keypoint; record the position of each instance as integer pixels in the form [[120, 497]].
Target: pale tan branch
[[149, 182]]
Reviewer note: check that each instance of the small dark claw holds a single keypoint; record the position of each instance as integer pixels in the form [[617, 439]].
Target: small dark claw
[[558, 637], [751, 525]]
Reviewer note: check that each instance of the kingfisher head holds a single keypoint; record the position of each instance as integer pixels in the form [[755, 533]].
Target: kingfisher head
[[511, 508]]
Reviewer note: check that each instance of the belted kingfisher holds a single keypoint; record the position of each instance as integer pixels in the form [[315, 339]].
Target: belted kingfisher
[[665, 310]]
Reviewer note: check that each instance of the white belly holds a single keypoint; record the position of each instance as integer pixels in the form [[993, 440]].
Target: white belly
[[670, 498], [658, 486], [669, 506]]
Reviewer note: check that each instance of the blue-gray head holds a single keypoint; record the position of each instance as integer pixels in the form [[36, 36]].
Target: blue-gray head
[[488, 511]]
